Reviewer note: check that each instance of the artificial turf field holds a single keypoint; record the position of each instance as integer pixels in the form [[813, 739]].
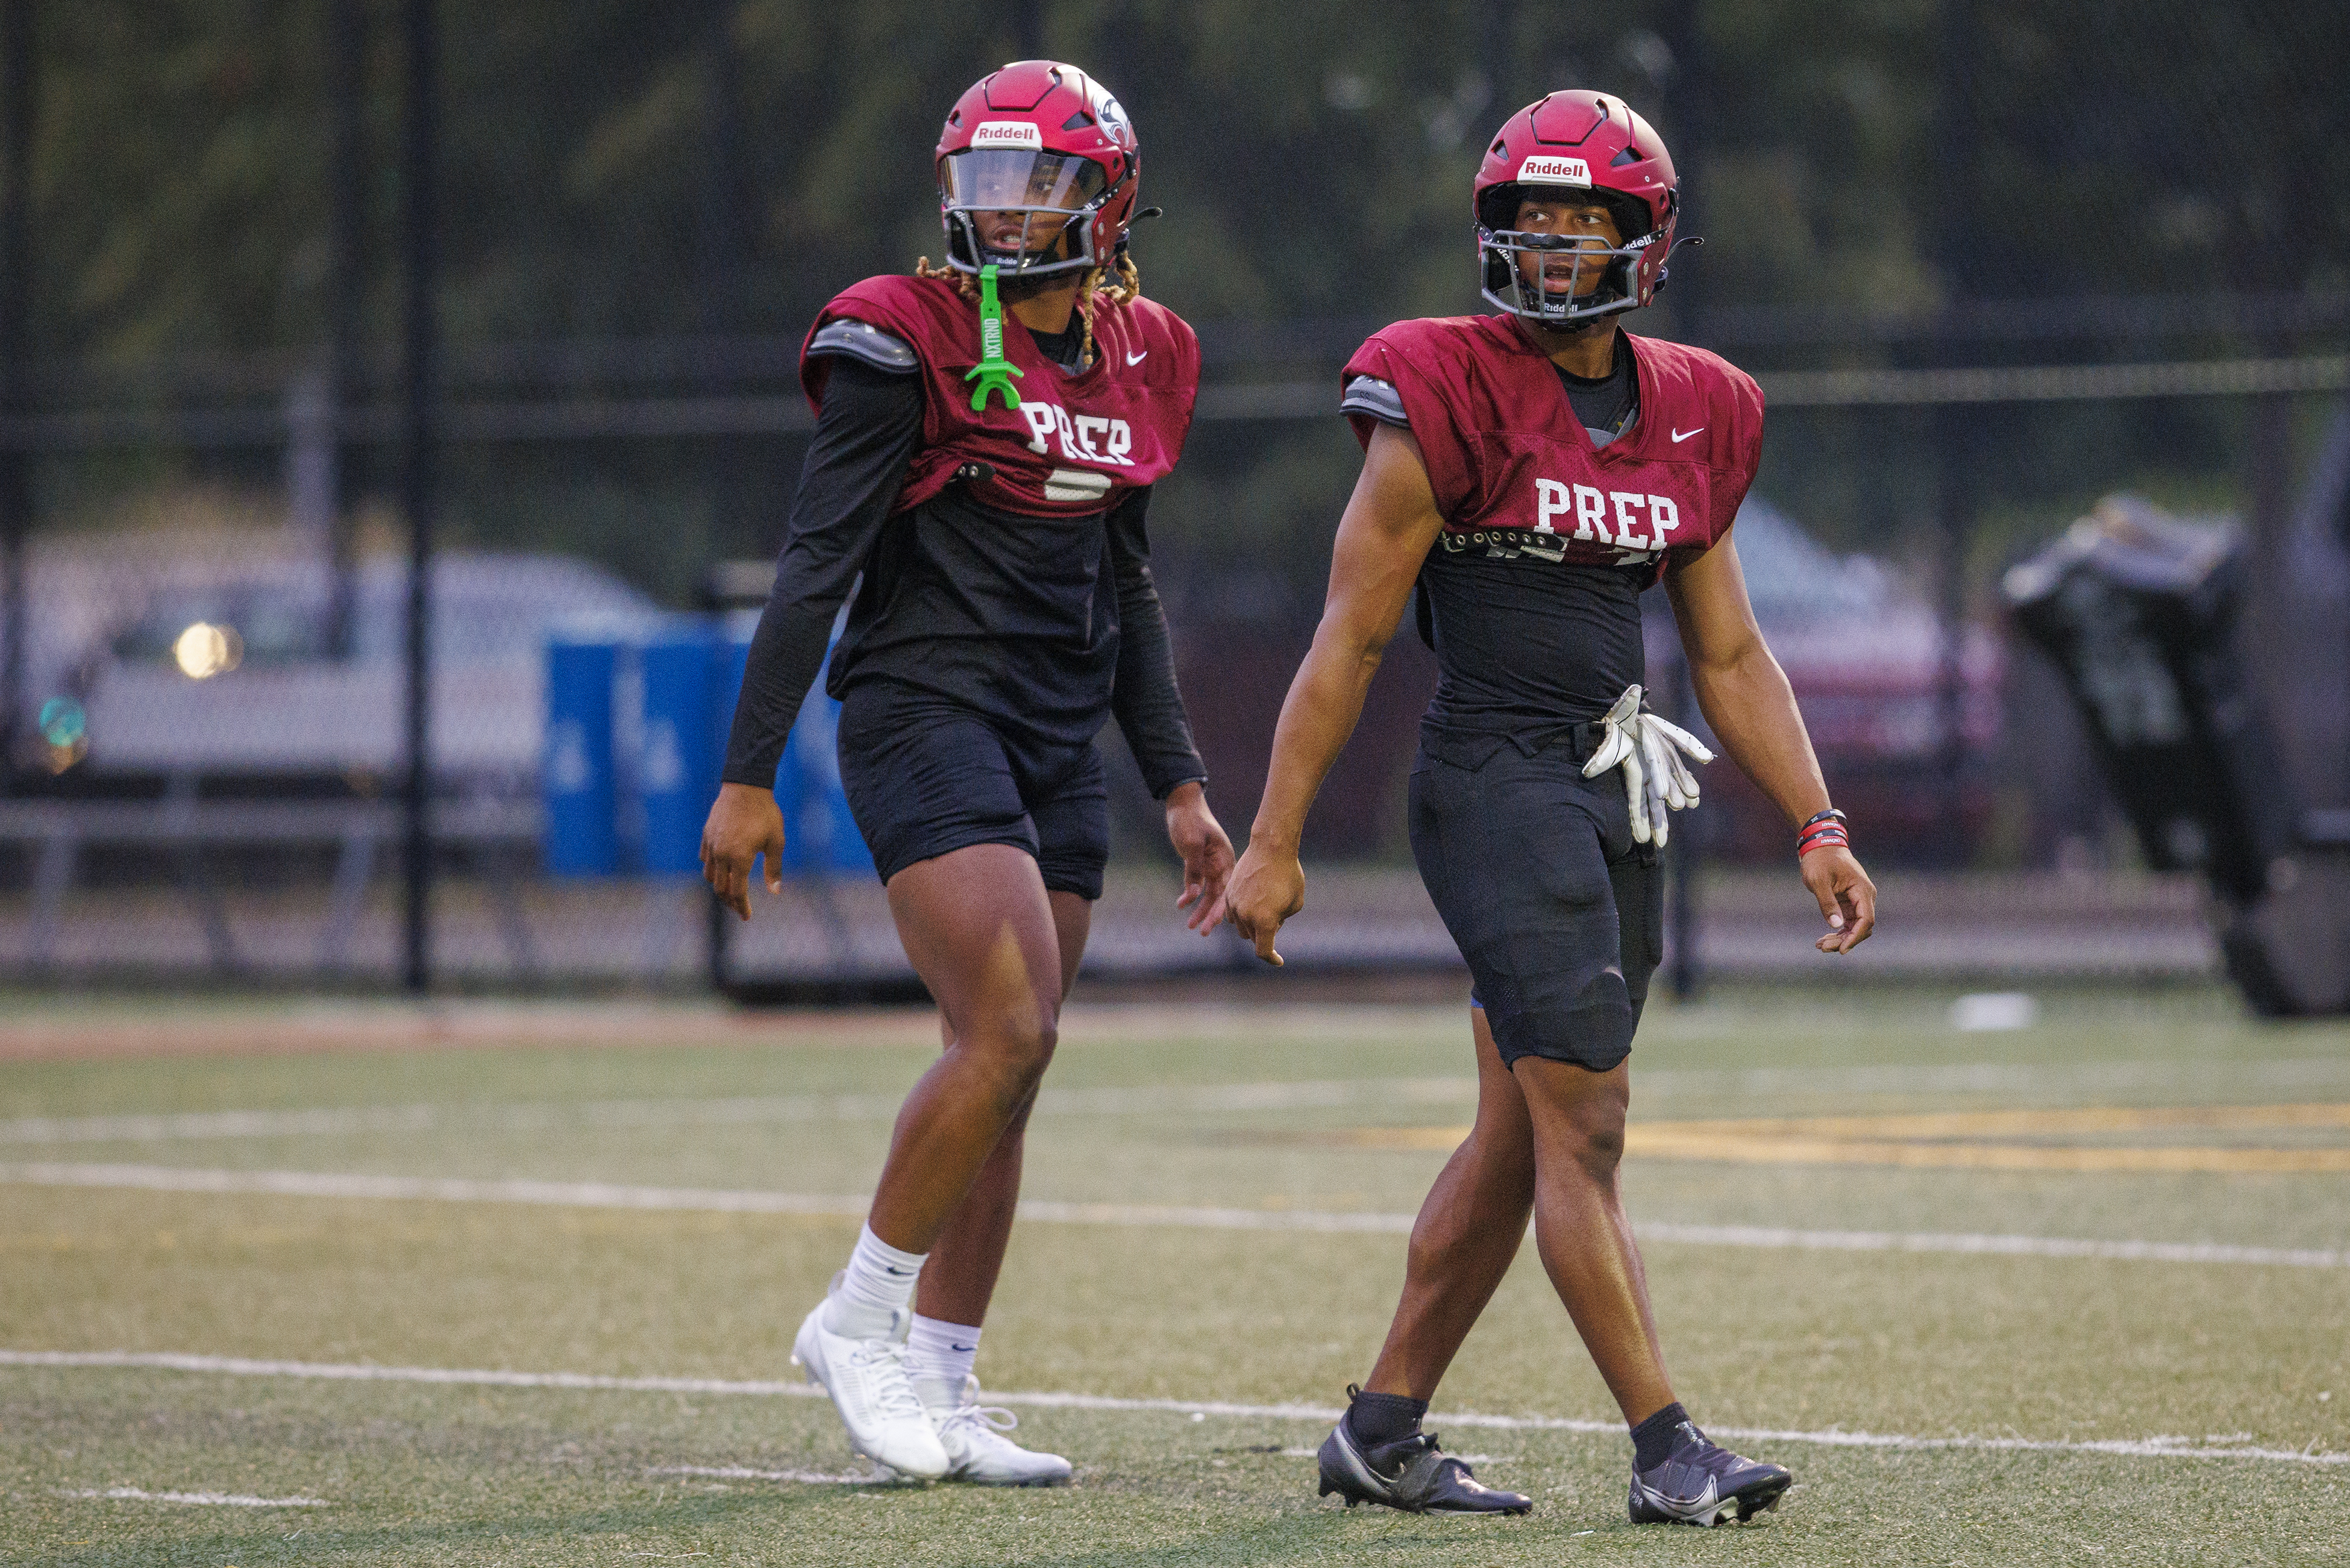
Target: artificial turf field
[[1861, 1232]]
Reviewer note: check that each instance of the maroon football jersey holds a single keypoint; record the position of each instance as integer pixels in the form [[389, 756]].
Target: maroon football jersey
[[1077, 443], [1504, 448]]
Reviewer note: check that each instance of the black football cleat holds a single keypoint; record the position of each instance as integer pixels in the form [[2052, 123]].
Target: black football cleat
[[1409, 1474], [1701, 1482]]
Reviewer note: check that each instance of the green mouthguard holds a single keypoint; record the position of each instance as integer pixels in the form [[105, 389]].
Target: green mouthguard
[[993, 371]]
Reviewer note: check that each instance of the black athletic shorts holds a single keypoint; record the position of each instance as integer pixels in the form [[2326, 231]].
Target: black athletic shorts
[[925, 774], [1559, 913]]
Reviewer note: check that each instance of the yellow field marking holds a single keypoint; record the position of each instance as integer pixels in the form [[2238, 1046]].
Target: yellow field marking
[[1953, 1140], [2027, 1123]]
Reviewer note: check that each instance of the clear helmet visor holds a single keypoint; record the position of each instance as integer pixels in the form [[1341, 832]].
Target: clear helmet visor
[[1015, 178], [1015, 206]]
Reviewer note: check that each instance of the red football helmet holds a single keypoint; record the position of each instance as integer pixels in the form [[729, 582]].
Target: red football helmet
[[1031, 153], [1584, 146]]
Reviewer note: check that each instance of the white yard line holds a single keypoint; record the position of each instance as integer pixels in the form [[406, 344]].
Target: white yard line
[[207, 1499], [738, 1472], [741, 1111], [1772, 1239], [696, 1199], [445, 1190], [2160, 1447], [1660, 1083]]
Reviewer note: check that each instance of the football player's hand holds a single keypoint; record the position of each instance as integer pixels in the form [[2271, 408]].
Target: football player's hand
[[1268, 887], [1847, 898], [1207, 855], [744, 823]]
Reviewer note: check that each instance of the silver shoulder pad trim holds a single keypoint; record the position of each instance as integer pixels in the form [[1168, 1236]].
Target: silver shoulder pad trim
[[1370, 395], [863, 340]]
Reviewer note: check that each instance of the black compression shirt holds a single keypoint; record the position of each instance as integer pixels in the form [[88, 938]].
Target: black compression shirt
[[1519, 641], [1043, 624], [1510, 633], [1066, 348], [1606, 404]]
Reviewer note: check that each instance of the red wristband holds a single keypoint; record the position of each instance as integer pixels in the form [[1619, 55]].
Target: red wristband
[[1822, 829], [1820, 838]]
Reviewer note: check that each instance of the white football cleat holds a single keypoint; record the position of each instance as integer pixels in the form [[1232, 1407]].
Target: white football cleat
[[977, 1449], [866, 1379]]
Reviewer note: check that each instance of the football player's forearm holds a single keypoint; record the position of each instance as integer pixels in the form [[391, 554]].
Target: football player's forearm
[[1751, 709], [1324, 703]]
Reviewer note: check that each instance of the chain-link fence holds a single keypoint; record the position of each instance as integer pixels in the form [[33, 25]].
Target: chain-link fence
[[1982, 285]]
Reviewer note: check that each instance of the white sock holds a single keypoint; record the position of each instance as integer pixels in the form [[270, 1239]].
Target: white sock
[[877, 1285], [941, 1353]]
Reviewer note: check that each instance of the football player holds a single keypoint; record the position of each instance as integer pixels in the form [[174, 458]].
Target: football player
[[1525, 476], [988, 479]]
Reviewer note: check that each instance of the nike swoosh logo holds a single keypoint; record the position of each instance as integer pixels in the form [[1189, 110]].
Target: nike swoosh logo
[[1685, 1507], [893, 1269], [960, 1349], [1680, 436], [1138, 358]]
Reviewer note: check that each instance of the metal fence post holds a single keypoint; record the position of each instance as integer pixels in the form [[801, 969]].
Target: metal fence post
[[420, 373], [17, 80], [347, 208]]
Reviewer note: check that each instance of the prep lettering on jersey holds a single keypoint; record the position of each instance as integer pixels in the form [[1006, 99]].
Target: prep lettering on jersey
[[1640, 521], [1088, 437]]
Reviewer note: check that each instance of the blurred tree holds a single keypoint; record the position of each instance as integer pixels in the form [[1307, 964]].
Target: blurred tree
[[616, 169]]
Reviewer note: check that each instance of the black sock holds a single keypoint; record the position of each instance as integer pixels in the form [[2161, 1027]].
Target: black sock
[[1376, 1418], [1652, 1439]]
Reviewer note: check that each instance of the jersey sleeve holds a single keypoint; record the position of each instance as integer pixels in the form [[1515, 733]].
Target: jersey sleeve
[[1744, 400], [1411, 361], [1184, 395], [1736, 403]]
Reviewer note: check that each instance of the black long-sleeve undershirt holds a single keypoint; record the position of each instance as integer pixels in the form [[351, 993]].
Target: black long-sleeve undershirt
[[870, 424], [1143, 697], [944, 605]]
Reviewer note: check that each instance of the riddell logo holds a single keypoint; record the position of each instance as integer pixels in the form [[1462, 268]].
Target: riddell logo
[[1012, 133], [1548, 171]]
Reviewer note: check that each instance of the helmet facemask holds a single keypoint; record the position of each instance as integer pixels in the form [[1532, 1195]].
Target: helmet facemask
[[1507, 255], [1013, 208]]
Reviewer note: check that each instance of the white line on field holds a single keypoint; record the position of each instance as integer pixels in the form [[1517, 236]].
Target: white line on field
[[1774, 1239], [445, 1189], [737, 1472], [611, 1195], [2163, 1447], [208, 1499], [1667, 1083], [743, 1111]]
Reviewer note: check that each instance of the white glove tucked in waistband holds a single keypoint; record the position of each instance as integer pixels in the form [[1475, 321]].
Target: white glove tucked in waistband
[[1650, 751]]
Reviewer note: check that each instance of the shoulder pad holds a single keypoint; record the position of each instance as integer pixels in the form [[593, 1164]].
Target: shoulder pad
[[864, 341], [1370, 395]]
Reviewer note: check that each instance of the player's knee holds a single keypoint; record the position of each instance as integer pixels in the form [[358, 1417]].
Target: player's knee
[[1018, 1046], [1601, 1151], [1596, 1141]]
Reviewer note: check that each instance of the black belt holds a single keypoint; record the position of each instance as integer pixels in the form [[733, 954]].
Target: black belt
[[1473, 749], [1505, 543]]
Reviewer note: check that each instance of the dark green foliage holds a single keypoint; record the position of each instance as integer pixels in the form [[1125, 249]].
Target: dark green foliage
[[616, 169]]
